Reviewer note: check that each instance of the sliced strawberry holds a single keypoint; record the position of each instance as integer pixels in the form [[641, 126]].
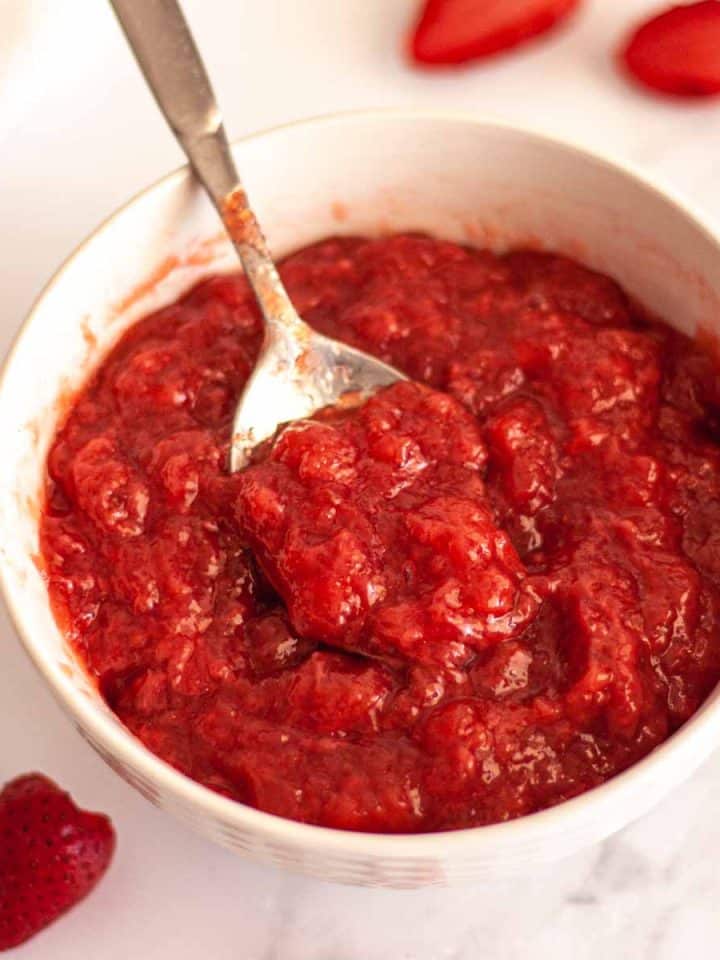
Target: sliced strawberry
[[51, 855], [454, 31], [678, 51]]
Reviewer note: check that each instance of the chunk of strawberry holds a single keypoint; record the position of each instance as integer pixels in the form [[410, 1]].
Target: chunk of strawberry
[[678, 51], [51, 855], [454, 31]]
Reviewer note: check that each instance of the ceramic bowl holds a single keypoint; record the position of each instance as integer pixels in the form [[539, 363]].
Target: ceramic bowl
[[458, 178]]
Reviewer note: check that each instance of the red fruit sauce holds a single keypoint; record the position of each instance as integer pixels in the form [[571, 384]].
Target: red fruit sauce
[[476, 596]]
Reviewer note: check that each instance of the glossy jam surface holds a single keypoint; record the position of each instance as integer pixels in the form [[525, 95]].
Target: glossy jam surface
[[479, 594]]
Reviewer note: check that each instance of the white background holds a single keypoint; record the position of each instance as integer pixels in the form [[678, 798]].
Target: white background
[[78, 135]]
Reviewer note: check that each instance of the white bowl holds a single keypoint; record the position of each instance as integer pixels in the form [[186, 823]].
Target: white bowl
[[454, 177]]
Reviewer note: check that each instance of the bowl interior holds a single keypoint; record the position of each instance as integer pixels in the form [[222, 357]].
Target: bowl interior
[[466, 181]]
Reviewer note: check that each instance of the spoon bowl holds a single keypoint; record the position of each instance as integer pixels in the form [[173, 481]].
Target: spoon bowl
[[294, 377]]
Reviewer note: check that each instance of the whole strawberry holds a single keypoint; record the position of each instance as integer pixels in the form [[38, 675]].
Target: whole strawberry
[[51, 855]]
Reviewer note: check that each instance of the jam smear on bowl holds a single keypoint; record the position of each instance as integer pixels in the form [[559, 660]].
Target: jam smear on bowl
[[481, 593]]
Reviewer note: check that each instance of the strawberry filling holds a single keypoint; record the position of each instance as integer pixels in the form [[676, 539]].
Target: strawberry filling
[[481, 593]]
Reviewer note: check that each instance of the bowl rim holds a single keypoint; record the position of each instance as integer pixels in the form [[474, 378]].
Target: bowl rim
[[464, 843]]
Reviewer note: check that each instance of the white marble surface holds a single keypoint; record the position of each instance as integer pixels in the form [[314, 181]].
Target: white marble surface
[[78, 135]]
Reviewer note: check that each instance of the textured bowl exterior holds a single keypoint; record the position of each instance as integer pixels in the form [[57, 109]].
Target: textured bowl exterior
[[456, 177]]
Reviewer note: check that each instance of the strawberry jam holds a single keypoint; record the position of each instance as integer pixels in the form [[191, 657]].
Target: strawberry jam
[[483, 592]]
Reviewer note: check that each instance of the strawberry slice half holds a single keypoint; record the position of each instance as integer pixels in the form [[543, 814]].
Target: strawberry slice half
[[52, 854], [678, 51], [455, 31]]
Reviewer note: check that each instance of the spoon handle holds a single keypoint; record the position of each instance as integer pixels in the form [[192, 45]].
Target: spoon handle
[[165, 50]]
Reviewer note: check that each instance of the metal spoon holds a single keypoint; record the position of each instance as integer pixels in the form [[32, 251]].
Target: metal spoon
[[298, 370]]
